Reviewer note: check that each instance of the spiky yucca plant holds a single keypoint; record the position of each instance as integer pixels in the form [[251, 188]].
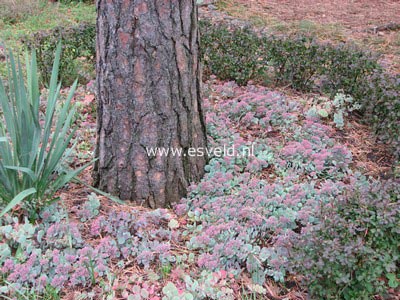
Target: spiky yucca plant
[[34, 146]]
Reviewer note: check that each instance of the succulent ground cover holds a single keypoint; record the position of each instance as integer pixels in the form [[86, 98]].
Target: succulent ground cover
[[296, 218]]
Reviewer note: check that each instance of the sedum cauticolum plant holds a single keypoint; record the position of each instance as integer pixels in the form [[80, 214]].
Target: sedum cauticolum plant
[[250, 214], [295, 207], [33, 145]]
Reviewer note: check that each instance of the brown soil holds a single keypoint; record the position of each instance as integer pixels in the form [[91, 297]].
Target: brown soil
[[354, 15], [337, 20]]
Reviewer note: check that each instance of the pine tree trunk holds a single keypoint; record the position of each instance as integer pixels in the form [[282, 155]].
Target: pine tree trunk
[[148, 93]]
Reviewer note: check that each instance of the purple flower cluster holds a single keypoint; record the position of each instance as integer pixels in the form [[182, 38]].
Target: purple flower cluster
[[55, 255]]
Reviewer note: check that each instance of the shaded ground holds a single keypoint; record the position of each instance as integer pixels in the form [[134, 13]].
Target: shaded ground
[[365, 22]]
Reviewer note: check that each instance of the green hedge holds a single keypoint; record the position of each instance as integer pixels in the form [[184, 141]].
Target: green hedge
[[242, 55], [298, 61], [78, 54]]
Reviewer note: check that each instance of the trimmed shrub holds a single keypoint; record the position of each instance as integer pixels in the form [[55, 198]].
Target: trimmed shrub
[[78, 55], [296, 61], [348, 69], [231, 55]]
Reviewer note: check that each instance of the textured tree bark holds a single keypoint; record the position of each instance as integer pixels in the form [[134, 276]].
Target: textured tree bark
[[148, 93]]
